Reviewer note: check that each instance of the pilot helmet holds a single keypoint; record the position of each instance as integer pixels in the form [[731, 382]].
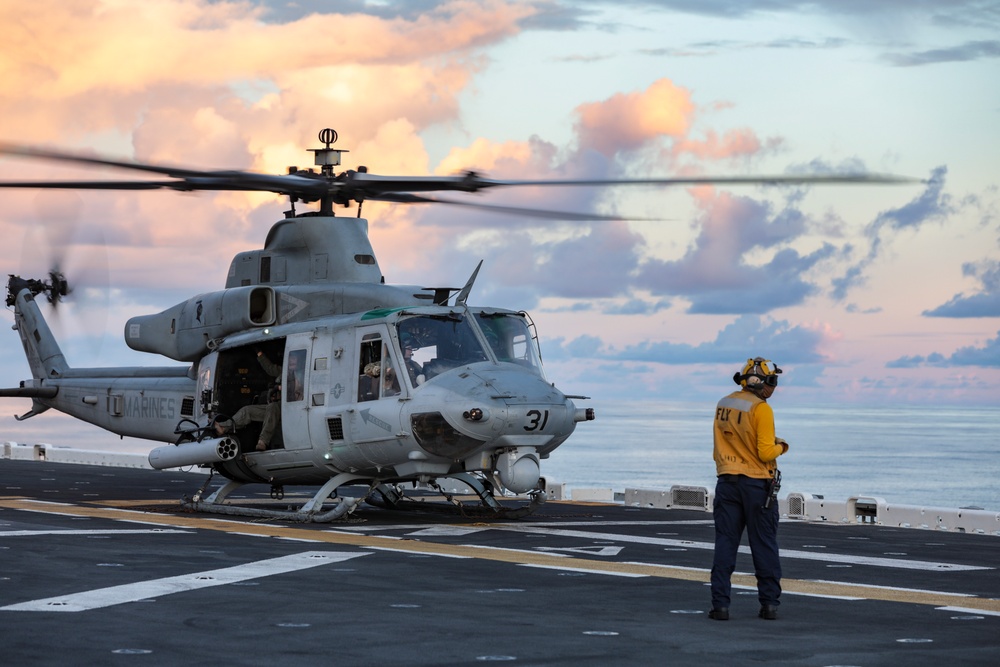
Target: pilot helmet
[[408, 341], [758, 373]]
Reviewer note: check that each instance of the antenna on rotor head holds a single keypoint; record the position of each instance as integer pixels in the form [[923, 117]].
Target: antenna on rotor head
[[327, 158]]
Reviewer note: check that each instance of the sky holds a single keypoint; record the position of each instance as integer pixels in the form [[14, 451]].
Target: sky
[[863, 294]]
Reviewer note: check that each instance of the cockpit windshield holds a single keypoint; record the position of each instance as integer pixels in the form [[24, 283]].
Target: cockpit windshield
[[433, 344], [510, 339]]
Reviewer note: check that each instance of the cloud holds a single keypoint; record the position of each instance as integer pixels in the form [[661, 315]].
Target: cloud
[[77, 71], [956, 13], [549, 15], [733, 144], [974, 50], [635, 306], [747, 336], [687, 372], [986, 356], [592, 263], [932, 204], [662, 118], [985, 303], [119, 48], [716, 275], [282, 11], [628, 121]]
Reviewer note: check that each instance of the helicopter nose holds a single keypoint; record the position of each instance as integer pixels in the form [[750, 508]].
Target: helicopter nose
[[481, 410]]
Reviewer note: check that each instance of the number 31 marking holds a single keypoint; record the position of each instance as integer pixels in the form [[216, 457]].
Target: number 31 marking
[[537, 419]]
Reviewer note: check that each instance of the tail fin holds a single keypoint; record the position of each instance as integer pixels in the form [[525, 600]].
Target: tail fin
[[44, 356]]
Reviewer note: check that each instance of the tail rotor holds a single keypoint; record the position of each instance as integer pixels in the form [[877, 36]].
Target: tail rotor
[[55, 289]]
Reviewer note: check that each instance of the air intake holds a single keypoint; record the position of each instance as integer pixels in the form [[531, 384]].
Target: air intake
[[336, 428]]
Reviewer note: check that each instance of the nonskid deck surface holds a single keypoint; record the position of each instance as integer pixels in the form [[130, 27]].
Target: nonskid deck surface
[[102, 564]]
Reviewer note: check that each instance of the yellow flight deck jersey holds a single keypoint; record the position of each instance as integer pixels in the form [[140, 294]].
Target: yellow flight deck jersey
[[744, 436]]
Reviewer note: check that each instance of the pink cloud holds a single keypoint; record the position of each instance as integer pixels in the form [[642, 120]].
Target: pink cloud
[[80, 73], [664, 111], [66, 48], [627, 121], [738, 143]]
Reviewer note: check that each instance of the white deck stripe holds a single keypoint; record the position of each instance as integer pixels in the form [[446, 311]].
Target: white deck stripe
[[785, 553], [146, 531], [567, 568], [144, 590], [967, 610]]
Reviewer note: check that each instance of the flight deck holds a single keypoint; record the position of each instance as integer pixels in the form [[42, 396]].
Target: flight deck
[[102, 565]]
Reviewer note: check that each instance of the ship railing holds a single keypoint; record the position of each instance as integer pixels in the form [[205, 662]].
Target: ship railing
[[860, 509]]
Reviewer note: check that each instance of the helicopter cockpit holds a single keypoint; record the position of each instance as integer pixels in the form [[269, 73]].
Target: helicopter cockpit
[[433, 344]]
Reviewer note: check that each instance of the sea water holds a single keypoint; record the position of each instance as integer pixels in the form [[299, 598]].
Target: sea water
[[933, 456]]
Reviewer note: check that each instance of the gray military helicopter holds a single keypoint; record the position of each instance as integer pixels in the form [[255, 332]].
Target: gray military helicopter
[[380, 385]]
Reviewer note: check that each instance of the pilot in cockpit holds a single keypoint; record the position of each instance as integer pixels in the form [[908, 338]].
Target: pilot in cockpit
[[413, 367]]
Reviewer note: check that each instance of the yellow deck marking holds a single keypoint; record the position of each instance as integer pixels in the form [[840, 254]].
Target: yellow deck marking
[[825, 588]]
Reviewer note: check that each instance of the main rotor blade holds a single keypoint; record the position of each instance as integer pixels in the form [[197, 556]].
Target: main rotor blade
[[91, 185], [308, 189], [403, 198], [806, 179], [373, 184], [358, 186], [60, 156]]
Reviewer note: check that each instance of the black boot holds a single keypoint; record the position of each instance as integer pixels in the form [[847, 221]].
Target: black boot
[[768, 612], [720, 614]]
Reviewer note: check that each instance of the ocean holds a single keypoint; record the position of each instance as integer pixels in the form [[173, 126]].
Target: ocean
[[933, 456]]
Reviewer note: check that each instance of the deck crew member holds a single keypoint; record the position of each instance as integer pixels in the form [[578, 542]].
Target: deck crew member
[[745, 454], [269, 412]]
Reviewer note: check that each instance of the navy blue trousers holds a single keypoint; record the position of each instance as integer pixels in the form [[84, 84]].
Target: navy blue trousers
[[739, 502]]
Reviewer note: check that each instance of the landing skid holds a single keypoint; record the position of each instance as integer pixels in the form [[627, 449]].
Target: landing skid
[[390, 497], [310, 512], [383, 495]]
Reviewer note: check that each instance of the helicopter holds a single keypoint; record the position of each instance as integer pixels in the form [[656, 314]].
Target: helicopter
[[356, 381]]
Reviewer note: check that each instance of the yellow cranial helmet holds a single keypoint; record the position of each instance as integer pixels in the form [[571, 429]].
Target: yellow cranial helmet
[[758, 372]]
